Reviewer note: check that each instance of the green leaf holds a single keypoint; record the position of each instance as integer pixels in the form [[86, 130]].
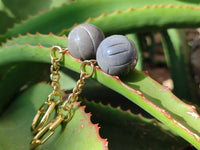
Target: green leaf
[[131, 130], [6, 10], [67, 79], [78, 134], [16, 77], [154, 17], [156, 14], [6, 22], [30, 7], [36, 69], [37, 39], [57, 3], [63, 17], [137, 41], [11, 11], [177, 54], [136, 86]]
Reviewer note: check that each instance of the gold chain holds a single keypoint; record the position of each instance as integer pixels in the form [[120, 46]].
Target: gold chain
[[64, 111], [73, 97], [43, 112]]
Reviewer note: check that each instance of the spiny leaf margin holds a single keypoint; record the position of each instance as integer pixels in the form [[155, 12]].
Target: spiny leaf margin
[[15, 127], [139, 96]]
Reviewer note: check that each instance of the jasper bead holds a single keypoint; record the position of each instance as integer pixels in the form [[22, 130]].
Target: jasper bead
[[83, 41], [117, 55]]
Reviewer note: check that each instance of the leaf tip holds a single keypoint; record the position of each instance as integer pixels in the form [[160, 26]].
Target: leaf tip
[[39, 44], [130, 9], [128, 111], [193, 112], [7, 40], [117, 11], [155, 6], [146, 72], [165, 89], [161, 6], [119, 107], [97, 67], [169, 6], [178, 6], [75, 24], [102, 15], [50, 33], [89, 19], [4, 44], [116, 77], [28, 33], [188, 7], [46, 9], [146, 6], [30, 16], [39, 12], [64, 36], [21, 21], [104, 141]]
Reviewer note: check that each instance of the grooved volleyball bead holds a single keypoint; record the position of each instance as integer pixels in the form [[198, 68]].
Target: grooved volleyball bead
[[83, 41], [116, 55]]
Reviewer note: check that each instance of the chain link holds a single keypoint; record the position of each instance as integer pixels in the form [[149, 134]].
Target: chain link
[[64, 112], [46, 109], [54, 69], [73, 97]]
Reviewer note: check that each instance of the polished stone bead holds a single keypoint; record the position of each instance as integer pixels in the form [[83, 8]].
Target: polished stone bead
[[83, 41], [117, 55]]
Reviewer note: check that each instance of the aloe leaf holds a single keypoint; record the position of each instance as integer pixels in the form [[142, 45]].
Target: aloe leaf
[[136, 86], [6, 9], [133, 22], [6, 23], [136, 40], [65, 11], [11, 10], [41, 39], [11, 78], [78, 134], [57, 3], [177, 52], [19, 79], [30, 7], [68, 79], [132, 130], [187, 15], [16, 77], [7, 18]]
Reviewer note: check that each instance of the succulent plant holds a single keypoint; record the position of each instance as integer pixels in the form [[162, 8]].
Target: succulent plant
[[24, 75]]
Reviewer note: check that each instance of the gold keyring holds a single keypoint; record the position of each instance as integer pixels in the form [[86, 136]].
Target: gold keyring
[[37, 139], [92, 67], [59, 50], [37, 125], [55, 93], [69, 115]]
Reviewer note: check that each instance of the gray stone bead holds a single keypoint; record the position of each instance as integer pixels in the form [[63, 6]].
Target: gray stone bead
[[83, 41], [117, 55]]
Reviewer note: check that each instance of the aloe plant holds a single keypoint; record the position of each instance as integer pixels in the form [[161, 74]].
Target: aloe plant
[[25, 62]]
